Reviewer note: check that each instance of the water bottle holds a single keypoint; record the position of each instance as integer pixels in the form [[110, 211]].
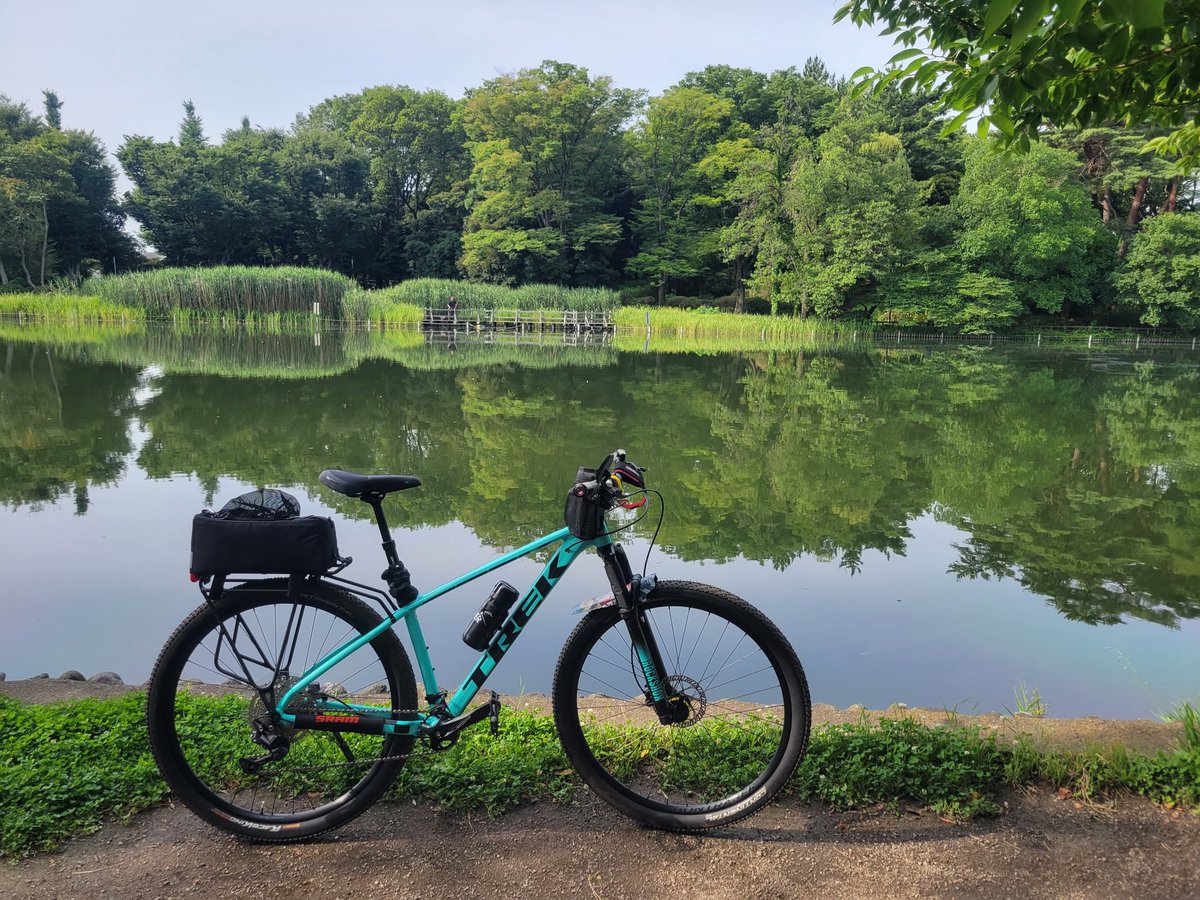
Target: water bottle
[[490, 616]]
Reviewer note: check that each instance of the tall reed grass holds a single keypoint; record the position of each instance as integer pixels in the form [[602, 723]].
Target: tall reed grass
[[693, 331], [379, 308], [67, 308], [238, 290], [435, 292]]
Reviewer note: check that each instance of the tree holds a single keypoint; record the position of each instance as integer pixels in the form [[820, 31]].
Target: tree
[[34, 175], [1160, 278], [1127, 184], [328, 191], [1027, 63], [88, 222], [201, 204], [58, 209], [415, 147], [667, 145], [745, 89], [1025, 220], [821, 219], [853, 203], [53, 110], [546, 148], [761, 232], [191, 129]]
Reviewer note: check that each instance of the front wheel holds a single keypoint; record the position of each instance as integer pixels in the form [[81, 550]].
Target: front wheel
[[744, 710]]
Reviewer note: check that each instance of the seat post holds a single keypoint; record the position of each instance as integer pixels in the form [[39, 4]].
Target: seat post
[[375, 501]]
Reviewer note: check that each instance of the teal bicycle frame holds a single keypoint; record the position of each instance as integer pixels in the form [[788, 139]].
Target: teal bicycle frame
[[353, 717]]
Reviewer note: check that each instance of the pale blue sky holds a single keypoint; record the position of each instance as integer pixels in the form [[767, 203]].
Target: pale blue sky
[[125, 66]]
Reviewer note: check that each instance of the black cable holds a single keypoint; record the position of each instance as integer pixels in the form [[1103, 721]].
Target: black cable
[[662, 509]]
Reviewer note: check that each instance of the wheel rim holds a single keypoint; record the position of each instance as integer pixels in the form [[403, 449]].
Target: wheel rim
[[721, 749], [212, 713]]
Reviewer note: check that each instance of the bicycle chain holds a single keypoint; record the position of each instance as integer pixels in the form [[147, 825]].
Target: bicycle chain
[[374, 759]]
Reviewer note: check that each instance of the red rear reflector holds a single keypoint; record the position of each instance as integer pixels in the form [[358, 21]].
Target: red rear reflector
[[193, 577]]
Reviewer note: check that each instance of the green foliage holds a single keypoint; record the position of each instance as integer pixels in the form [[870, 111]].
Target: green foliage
[[679, 128], [954, 771], [1169, 778], [59, 214], [240, 290], [1027, 63], [782, 190], [69, 308], [66, 767], [433, 293], [525, 762], [700, 331], [822, 220], [545, 145], [1029, 703], [1160, 276], [1024, 220]]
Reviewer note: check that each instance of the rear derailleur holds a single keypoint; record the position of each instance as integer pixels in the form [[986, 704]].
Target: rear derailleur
[[270, 736]]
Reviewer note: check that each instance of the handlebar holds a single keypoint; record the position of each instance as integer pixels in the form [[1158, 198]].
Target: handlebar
[[613, 476]]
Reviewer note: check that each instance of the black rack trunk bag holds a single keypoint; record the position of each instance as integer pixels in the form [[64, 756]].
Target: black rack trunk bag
[[262, 532]]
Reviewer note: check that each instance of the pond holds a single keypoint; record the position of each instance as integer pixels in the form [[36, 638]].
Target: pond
[[944, 527]]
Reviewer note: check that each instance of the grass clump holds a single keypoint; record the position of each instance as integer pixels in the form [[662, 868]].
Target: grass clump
[[380, 308], [954, 771], [237, 290], [435, 292], [68, 308], [704, 330], [65, 767]]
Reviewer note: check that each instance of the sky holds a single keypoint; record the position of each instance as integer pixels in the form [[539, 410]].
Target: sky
[[124, 67]]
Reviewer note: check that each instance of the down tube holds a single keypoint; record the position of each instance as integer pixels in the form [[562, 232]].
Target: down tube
[[517, 620]]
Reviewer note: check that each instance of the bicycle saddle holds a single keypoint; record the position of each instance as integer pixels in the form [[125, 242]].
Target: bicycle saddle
[[354, 485]]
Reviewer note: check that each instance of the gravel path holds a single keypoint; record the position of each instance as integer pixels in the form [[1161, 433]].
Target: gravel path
[[1043, 846]]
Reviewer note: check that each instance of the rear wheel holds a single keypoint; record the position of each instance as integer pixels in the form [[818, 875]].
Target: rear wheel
[[742, 699], [206, 700]]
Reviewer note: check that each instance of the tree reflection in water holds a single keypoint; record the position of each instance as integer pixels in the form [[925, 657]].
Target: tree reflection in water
[[1075, 475]]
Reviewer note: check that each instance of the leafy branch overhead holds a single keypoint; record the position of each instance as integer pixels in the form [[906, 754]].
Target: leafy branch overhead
[[1024, 64]]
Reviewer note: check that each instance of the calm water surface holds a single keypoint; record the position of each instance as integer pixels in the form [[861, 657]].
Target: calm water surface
[[938, 528]]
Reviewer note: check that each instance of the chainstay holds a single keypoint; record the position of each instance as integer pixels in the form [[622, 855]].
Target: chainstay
[[372, 760]]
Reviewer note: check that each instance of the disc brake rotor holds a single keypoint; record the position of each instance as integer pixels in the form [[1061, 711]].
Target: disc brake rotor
[[688, 691]]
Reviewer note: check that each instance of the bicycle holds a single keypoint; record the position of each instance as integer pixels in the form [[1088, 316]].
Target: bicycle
[[284, 707]]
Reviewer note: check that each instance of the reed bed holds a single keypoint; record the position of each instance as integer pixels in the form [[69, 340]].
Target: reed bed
[[236, 290], [67, 308], [380, 309], [435, 292], [692, 331]]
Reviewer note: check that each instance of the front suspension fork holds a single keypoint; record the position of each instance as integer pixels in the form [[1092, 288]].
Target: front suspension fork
[[627, 589]]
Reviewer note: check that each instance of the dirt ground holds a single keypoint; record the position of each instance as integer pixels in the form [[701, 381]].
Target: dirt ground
[[1043, 846]]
